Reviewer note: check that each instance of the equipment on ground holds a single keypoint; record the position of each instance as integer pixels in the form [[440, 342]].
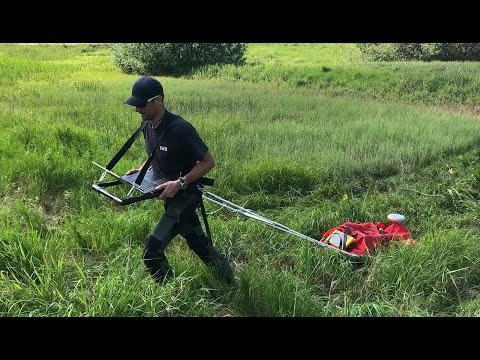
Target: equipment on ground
[[396, 218], [236, 208]]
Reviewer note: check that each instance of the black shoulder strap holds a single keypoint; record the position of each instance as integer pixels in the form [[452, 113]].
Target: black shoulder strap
[[145, 167], [125, 147], [162, 129]]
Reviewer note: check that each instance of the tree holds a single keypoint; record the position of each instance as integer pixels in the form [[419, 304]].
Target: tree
[[174, 59], [420, 51]]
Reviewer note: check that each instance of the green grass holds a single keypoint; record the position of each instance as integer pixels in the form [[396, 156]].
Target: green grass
[[288, 150], [302, 55], [338, 70]]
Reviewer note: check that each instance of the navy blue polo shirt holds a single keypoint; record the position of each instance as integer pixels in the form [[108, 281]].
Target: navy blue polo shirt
[[179, 146]]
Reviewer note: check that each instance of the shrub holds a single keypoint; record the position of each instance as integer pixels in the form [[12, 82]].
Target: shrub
[[174, 59], [458, 51], [420, 51]]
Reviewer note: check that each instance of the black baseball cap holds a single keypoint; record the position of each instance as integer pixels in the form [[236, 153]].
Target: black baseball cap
[[143, 90]]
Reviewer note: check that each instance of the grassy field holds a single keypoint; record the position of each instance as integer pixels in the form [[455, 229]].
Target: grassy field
[[308, 135], [338, 70]]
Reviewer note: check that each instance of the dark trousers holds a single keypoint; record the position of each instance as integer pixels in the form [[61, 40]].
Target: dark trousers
[[180, 217]]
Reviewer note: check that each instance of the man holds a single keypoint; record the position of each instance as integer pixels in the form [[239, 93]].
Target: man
[[182, 157]]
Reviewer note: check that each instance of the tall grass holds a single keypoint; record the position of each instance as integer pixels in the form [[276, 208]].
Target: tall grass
[[338, 70], [290, 152]]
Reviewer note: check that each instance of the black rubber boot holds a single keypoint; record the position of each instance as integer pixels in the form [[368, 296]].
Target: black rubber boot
[[209, 254], [154, 251], [221, 261], [155, 260]]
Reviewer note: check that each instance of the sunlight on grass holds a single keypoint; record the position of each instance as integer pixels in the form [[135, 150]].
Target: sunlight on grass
[[306, 134]]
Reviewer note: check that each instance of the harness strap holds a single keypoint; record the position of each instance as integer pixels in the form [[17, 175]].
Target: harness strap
[[125, 147], [207, 181], [205, 220], [145, 167]]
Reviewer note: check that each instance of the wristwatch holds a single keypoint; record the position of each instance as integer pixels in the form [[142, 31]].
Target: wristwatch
[[183, 183]]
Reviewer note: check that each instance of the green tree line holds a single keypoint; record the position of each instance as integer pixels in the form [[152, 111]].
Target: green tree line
[[176, 59], [420, 51]]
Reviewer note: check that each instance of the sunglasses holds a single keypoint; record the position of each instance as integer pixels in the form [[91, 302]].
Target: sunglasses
[[149, 100]]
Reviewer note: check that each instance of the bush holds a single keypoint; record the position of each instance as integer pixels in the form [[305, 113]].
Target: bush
[[459, 52], [174, 59], [420, 52]]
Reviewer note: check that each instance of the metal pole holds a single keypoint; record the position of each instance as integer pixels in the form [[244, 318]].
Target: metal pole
[[236, 208]]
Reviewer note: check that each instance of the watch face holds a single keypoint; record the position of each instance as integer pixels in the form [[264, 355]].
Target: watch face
[[183, 184]]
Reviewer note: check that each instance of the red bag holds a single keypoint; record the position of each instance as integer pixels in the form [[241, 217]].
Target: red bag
[[367, 236]]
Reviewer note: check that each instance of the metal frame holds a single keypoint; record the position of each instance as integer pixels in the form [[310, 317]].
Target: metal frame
[[236, 208]]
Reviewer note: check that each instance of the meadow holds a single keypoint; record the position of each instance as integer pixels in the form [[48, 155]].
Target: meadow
[[308, 135]]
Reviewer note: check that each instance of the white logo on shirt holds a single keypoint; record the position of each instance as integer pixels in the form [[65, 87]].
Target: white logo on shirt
[[163, 148]]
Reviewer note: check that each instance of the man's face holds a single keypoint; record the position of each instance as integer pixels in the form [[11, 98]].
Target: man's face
[[149, 111]]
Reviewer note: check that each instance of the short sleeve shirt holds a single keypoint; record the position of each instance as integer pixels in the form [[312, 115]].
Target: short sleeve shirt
[[178, 146]]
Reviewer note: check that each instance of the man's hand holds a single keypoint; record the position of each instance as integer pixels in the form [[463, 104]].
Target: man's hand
[[131, 171], [170, 189]]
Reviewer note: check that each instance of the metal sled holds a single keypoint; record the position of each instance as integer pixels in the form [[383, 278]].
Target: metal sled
[[236, 208]]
